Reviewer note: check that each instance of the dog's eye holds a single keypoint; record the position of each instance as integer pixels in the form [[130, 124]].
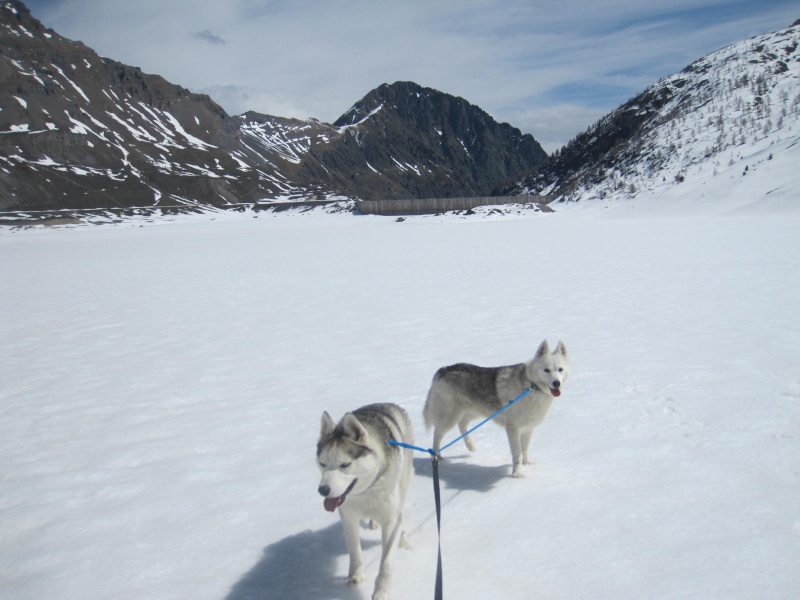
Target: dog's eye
[[323, 465], [547, 370], [560, 369], [344, 465]]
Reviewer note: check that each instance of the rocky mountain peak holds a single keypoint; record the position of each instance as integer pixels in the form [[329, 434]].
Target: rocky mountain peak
[[450, 146], [425, 108], [16, 12]]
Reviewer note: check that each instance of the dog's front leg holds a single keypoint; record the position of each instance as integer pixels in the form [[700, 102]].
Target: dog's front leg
[[353, 540], [390, 537], [515, 443], [526, 442]]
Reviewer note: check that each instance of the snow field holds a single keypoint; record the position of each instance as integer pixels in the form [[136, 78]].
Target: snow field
[[162, 387]]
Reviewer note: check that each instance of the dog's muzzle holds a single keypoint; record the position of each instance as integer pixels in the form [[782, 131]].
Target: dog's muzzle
[[331, 504]]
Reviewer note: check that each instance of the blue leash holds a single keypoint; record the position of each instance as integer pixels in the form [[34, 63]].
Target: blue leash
[[432, 452], [489, 418], [436, 494]]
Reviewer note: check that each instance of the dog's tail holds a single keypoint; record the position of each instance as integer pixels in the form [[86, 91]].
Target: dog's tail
[[427, 411], [426, 414]]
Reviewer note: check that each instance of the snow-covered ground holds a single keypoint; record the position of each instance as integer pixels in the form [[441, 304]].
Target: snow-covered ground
[[162, 386]]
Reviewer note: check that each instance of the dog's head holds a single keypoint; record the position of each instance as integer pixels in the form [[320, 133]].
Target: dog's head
[[549, 369], [345, 459]]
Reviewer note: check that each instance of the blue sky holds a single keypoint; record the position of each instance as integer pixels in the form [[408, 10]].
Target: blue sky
[[549, 67]]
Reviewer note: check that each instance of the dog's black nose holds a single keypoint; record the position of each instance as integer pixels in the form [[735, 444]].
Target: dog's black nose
[[556, 385], [324, 490]]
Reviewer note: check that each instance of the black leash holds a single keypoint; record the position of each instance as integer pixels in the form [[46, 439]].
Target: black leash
[[437, 594]]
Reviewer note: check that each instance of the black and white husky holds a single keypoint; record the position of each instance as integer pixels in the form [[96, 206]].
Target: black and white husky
[[364, 477], [462, 393]]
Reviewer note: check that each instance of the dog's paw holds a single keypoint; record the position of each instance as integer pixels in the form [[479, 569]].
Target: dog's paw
[[527, 461], [470, 444], [518, 474], [372, 524], [380, 595], [404, 543], [358, 577]]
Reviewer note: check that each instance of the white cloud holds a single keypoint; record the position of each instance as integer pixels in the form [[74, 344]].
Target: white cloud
[[554, 126]]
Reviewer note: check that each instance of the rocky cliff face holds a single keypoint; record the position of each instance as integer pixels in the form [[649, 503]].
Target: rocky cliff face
[[406, 140], [81, 131]]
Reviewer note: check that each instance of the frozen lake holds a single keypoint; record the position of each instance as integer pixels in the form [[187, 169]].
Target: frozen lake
[[162, 387]]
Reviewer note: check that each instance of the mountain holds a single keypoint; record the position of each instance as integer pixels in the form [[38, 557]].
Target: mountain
[[417, 140], [80, 131], [724, 113]]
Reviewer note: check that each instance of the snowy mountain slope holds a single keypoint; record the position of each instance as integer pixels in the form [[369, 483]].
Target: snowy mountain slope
[[279, 146], [78, 130], [81, 131], [290, 139], [721, 116]]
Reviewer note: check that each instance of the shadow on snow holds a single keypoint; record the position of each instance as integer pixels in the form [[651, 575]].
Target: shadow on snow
[[301, 566], [462, 476]]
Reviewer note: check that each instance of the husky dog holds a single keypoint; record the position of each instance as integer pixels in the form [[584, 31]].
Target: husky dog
[[463, 392], [364, 477]]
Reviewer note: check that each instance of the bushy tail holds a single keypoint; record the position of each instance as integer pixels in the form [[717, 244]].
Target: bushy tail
[[426, 411]]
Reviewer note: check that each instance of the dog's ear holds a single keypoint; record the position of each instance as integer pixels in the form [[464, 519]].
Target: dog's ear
[[544, 348], [353, 428], [561, 349], [327, 425]]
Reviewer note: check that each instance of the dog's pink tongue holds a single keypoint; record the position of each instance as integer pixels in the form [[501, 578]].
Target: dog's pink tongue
[[331, 504], [555, 392]]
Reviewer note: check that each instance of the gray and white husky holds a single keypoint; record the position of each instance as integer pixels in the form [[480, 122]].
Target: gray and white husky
[[364, 477], [462, 393]]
